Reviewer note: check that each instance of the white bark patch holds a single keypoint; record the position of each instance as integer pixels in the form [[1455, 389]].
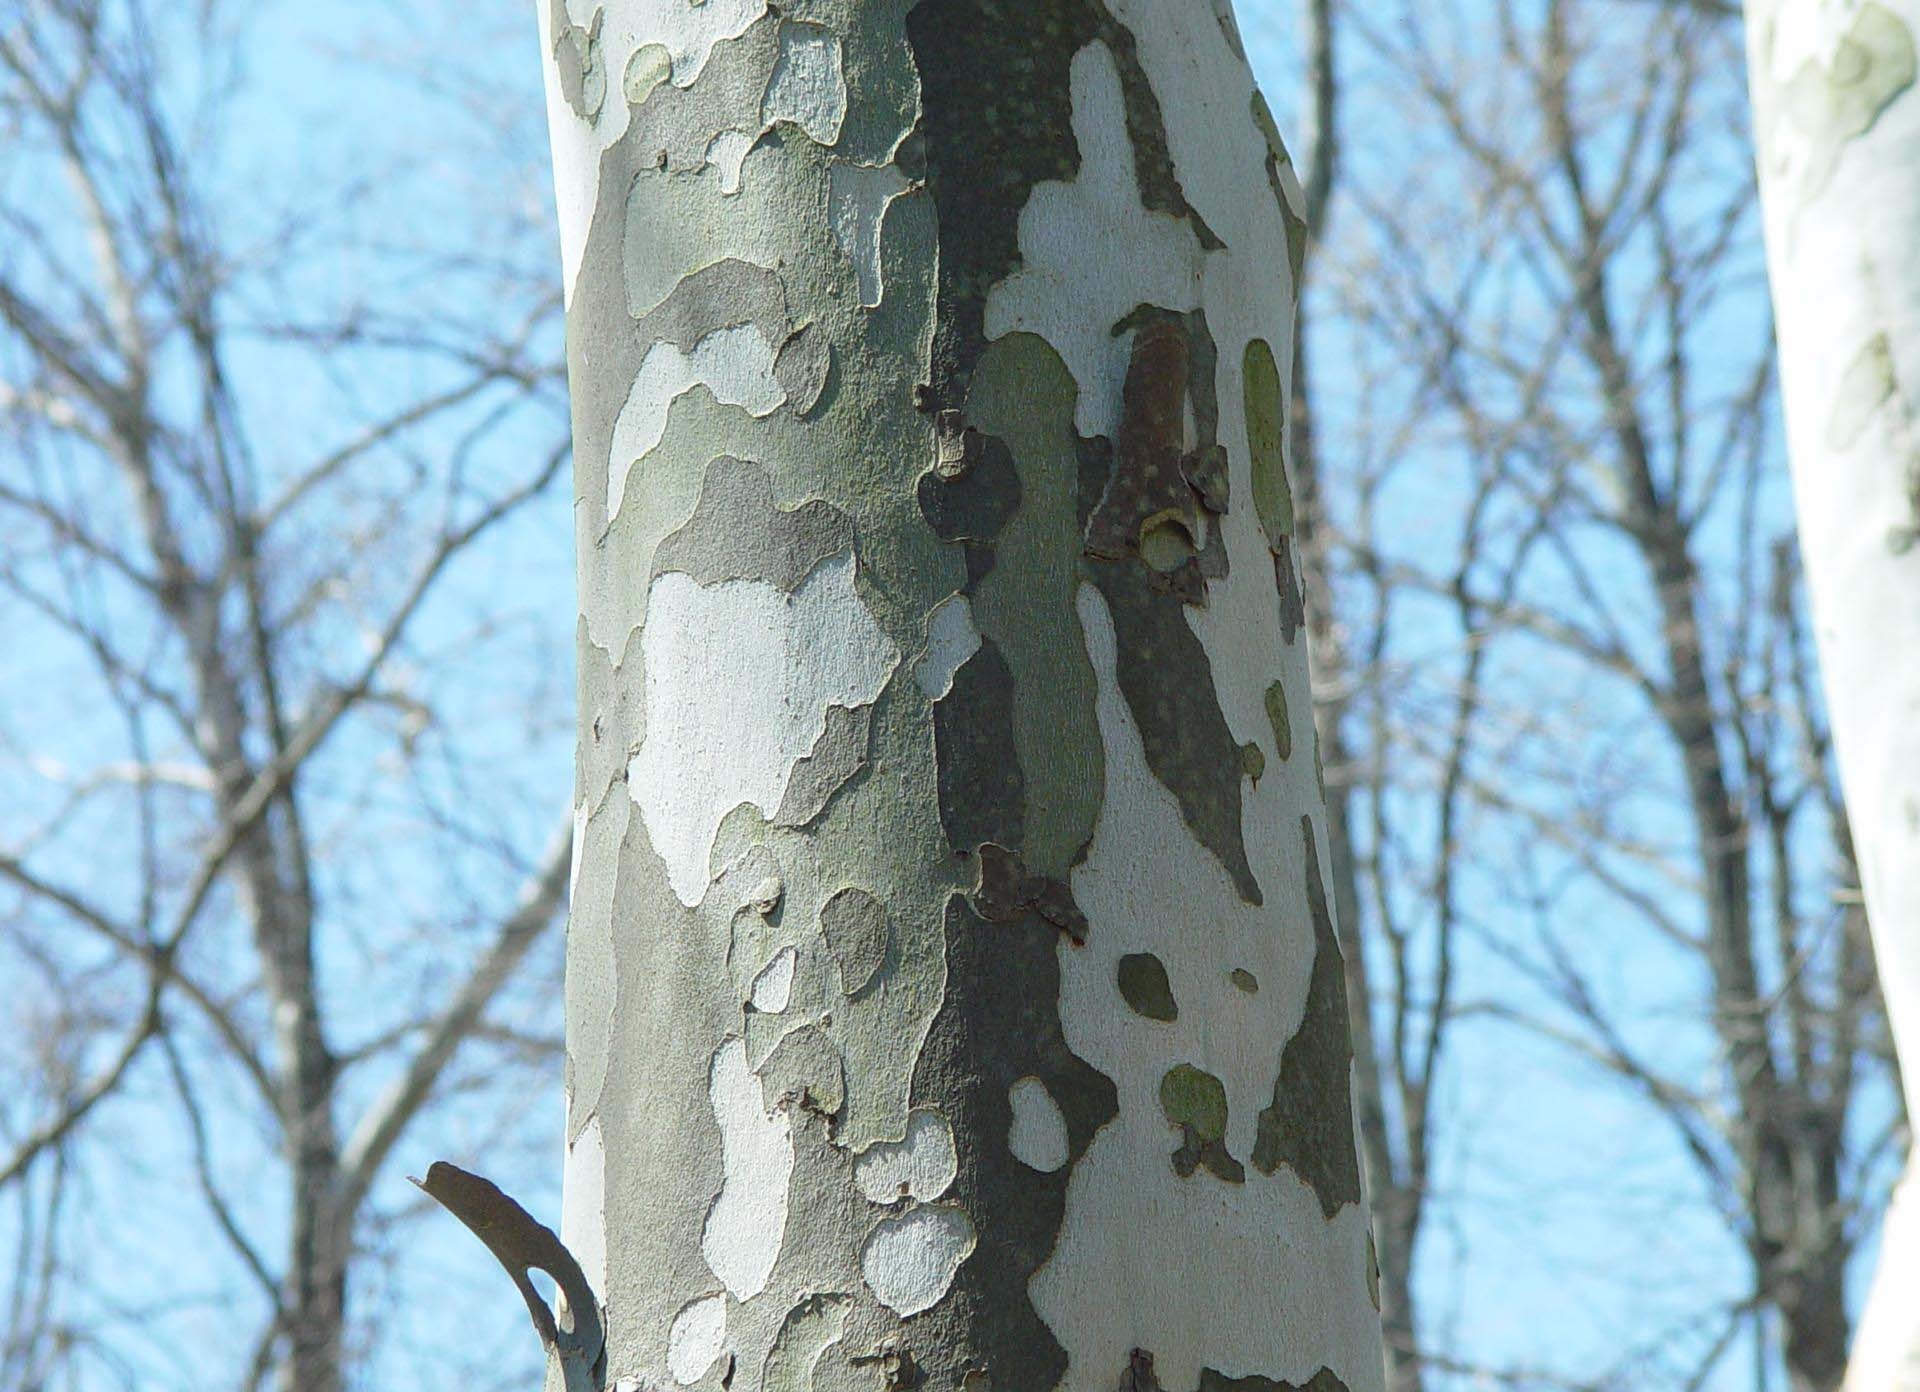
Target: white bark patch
[[922, 1166], [583, 1203], [696, 1337], [739, 676], [1090, 253], [773, 987], [726, 152], [951, 640], [1244, 1278], [1037, 1135], [807, 86], [910, 1260], [734, 363], [857, 199], [745, 1226], [686, 30]]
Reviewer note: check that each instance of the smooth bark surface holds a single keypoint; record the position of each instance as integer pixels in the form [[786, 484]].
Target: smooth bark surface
[[953, 996], [1838, 128]]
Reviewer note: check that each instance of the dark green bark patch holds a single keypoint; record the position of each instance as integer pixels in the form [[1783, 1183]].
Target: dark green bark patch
[[981, 791], [1266, 433], [974, 504], [1276, 704], [1142, 978], [1000, 1022], [1322, 1381], [1196, 1102], [1309, 1127]]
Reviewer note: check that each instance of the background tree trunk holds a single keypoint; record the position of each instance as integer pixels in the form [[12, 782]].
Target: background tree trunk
[[953, 998], [1838, 131]]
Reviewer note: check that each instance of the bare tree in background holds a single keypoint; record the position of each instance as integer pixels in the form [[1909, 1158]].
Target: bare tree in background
[[1557, 282], [268, 868]]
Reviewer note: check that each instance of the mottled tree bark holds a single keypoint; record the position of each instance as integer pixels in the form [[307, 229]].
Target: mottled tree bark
[[952, 995], [1838, 128]]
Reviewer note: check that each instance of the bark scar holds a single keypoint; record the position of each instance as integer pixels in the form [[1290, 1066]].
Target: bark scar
[[520, 1242]]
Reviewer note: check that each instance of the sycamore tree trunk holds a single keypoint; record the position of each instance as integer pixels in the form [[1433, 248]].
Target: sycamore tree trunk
[[953, 1000], [1837, 121]]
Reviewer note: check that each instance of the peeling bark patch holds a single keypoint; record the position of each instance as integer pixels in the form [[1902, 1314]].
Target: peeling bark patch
[[807, 88], [1037, 1132], [689, 29], [1151, 507], [773, 987], [1265, 404], [696, 1337], [809, 1330], [854, 923], [788, 660], [1196, 1102], [981, 791], [738, 532], [839, 754], [1276, 704], [910, 1260], [858, 196], [1008, 893], [805, 1070], [583, 1203], [579, 62], [748, 1220], [951, 640], [1143, 985], [1309, 1127], [921, 1166], [735, 364]]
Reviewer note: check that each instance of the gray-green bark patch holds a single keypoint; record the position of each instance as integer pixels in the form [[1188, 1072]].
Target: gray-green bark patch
[[854, 923], [809, 1329], [1309, 1126], [1142, 978]]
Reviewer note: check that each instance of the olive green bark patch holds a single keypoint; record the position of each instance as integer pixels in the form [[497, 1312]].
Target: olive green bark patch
[[1022, 396], [839, 754], [1309, 1127], [1276, 703], [1196, 1102], [1266, 437], [1145, 988], [1245, 980], [648, 67], [1866, 386], [854, 923], [1253, 760], [738, 532], [808, 1330], [1835, 104]]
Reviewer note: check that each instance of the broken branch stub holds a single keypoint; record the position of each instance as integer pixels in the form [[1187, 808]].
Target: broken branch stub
[[521, 1243]]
